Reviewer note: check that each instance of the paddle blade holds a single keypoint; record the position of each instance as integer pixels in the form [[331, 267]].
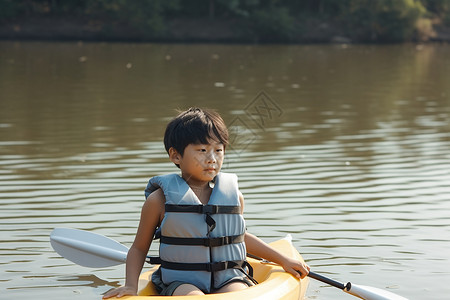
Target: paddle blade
[[371, 293], [87, 249]]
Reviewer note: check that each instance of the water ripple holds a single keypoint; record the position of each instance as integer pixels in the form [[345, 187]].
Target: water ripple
[[358, 173]]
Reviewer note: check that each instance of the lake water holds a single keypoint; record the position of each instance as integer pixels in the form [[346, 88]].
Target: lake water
[[346, 147]]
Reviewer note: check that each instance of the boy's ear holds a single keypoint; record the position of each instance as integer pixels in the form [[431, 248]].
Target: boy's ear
[[174, 156]]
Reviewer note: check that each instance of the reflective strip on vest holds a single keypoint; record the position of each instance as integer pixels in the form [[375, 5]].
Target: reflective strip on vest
[[187, 218]]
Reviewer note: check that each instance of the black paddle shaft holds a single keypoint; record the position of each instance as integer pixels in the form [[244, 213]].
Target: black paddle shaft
[[316, 276], [329, 281]]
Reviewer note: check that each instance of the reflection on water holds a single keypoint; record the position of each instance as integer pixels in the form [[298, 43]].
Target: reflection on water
[[355, 163]]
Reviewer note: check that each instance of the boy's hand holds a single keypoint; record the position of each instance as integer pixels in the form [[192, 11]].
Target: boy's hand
[[295, 267], [120, 292]]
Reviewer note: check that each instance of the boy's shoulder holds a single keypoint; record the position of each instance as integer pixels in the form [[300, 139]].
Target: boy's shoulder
[[155, 199], [159, 181]]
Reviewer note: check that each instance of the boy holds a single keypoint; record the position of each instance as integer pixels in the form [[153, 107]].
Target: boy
[[199, 214]]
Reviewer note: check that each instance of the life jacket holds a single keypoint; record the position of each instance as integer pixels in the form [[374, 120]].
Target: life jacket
[[201, 244]]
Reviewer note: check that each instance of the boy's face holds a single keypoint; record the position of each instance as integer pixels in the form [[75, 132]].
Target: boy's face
[[200, 162]]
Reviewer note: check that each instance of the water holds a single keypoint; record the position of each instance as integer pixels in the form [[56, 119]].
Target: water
[[344, 147]]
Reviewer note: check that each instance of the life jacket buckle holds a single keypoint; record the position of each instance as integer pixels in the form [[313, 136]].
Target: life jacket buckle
[[220, 266], [210, 209]]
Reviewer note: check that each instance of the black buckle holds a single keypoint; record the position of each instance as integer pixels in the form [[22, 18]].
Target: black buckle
[[207, 242], [210, 209], [220, 266], [210, 267]]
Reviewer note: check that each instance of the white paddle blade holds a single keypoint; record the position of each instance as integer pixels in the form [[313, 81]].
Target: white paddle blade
[[371, 293], [87, 249]]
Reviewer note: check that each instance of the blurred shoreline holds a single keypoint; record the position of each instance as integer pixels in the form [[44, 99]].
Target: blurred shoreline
[[71, 28]]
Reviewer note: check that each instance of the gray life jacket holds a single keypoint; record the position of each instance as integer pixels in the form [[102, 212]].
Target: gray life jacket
[[201, 244]]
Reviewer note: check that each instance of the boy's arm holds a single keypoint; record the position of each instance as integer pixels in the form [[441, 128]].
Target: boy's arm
[[258, 247], [151, 215]]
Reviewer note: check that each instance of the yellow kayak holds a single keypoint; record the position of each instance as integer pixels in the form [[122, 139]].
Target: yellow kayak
[[274, 282], [96, 251]]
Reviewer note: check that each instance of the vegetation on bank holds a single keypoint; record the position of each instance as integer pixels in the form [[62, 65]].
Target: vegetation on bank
[[241, 20]]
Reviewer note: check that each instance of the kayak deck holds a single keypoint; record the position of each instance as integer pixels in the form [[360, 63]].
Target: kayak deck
[[274, 282]]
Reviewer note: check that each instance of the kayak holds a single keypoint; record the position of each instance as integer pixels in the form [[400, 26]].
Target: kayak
[[93, 250], [274, 282]]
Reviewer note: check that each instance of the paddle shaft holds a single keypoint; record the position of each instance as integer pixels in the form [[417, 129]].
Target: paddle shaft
[[329, 281], [313, 275]]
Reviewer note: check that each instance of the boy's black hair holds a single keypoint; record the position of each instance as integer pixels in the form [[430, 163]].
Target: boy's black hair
[[195, 126]]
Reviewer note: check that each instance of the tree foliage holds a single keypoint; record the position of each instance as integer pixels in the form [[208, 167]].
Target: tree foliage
[[264, 20]]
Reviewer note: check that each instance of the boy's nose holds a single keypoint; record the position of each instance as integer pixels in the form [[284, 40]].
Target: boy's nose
[[211, 158]]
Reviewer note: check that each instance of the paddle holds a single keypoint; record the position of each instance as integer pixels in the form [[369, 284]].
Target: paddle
[[361, 291], [96, 251], [88, 249]]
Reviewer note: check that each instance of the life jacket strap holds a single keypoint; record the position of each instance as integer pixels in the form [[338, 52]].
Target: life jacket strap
[[209, 267], [153, 260], [249, 274], [204, 209], [240, 265], [207, 242]]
